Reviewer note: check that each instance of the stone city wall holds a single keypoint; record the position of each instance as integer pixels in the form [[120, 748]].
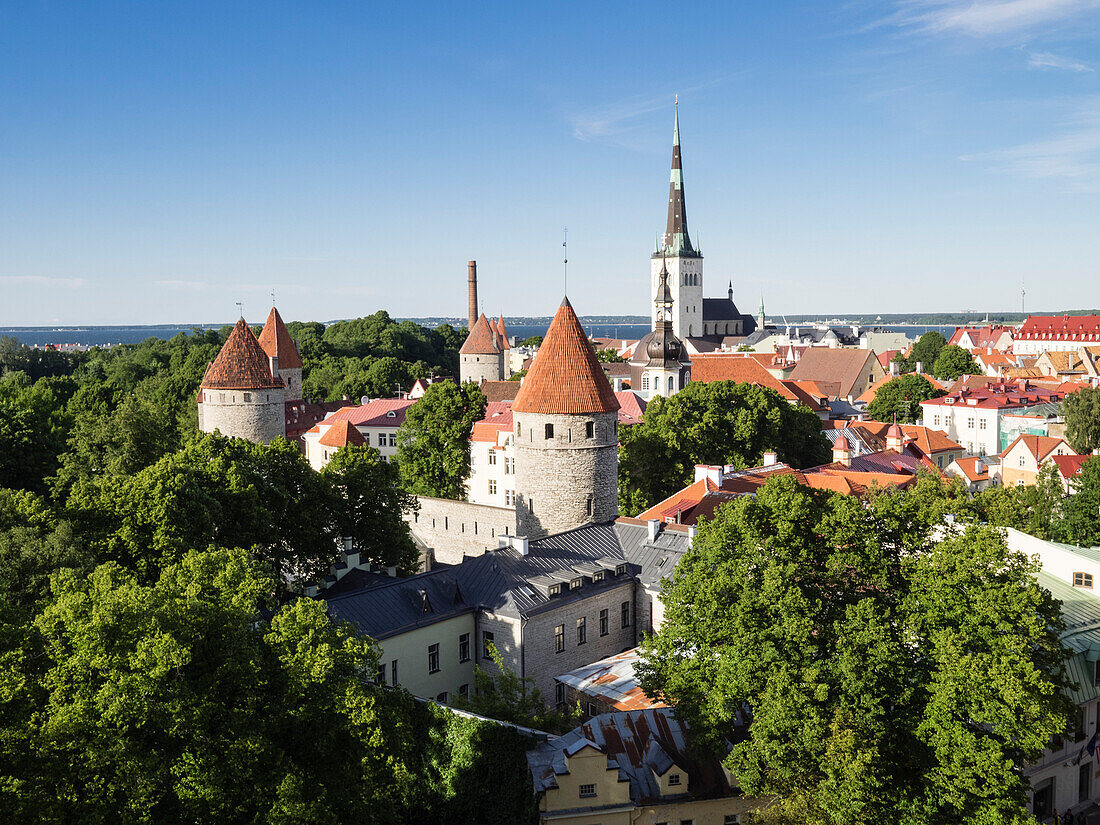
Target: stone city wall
[[454, 529], [261, 419], [478, 368]]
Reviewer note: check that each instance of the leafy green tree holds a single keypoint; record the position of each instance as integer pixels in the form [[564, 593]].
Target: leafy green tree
[[925, 351], [873, 660], [953, 361], [170, 703], [433, 445], [500, 693], [533, 341], [33, 426], [33, 546], [371, 507], [1082, 412], [218, 491], [899, 399], [711, 423], [1081, 511], [609, 356], [518, 375]]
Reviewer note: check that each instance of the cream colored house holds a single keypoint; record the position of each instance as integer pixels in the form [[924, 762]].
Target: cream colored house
[[1024, 458], [632, 767], [376, 421]]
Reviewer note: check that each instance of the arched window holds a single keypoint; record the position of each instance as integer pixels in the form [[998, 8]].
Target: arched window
[[671, 385]]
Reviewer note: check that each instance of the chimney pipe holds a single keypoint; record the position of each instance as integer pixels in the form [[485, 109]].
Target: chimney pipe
[[522, 544], [471, 288], [654, 527], [771, 458]]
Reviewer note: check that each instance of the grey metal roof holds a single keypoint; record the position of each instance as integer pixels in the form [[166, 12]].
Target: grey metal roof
[[1081, 611], [511, 584]]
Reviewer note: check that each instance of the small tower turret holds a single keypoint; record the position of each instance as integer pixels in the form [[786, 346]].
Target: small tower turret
[[282, 352], [239, 396]]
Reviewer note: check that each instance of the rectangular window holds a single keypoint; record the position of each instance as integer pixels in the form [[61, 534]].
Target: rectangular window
[[588, 790], [492, 456], [936, 420], [582, 630], [248, 396], [381, 439], [393, 672], [433, 658], [674, 779], [559, 694], [442, 698], [588, 506], [464, 647], [393, 439], [605, 622], [464, 691], [590, 429], [624, 614], [509, 465], [549, 430], [559, 638], [381, 674], [492, 487], [981, 424], [487, 643], [731, 819], [1082, 580], [530, 505]]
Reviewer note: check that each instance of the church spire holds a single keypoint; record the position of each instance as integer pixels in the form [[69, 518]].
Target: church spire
[[677, 240]]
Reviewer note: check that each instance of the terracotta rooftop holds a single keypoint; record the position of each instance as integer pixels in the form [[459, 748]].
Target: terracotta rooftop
[[498, 418], [743, 370], [241, 364], [276, 342], [381, 412], [483, 338], [1070, 465], [499, 390], [1060, 327], [1040, 446], [503, 330], [833, 366], [968, 465], [341, 433], [565, 377]]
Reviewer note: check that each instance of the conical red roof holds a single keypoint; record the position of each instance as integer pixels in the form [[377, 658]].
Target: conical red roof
[[241, 364], [503, 333], [565, 378], [277, 342], [481, 340]]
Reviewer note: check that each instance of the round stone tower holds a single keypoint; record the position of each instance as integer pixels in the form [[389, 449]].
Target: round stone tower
[[566, 435], [239, 396], [282, 354], [482, 355]]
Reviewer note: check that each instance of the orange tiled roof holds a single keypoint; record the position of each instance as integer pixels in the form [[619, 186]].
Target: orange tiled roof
[[969, 467], [481, 340], [503, 330], [341, 433], [565, 377], [1040, 446], [241, 364], [276, 341], [930, 441], [499, 390], [732, 367]]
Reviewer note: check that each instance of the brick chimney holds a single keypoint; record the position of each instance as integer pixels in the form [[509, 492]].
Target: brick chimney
[[471, 288]]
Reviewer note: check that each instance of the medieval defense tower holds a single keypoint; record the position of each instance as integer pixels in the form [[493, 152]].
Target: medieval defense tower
[[566, 435], [239, 395], [282, 355], [484, 356]]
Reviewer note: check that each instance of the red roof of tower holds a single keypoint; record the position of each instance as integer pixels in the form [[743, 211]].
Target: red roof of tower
[[277, 342], [565, 377], [481, 340], [241, 364], [503, 333]]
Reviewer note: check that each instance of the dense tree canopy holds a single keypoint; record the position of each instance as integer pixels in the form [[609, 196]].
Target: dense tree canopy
[[1082, 411], [1080, 514], [888, 676], [899, 399], [433, 445], [953, 361], [711, 423]]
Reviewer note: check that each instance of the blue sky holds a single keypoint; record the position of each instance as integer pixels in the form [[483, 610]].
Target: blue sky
[[159, 162]]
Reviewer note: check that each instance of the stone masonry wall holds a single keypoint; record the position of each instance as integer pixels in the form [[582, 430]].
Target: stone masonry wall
[[555, 477], [478, 368], [293, 380], [454, 529], [541, 661], [260, 420]]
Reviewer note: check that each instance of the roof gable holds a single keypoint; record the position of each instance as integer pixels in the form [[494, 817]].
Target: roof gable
[[277, 343], [341, 433], [828, 365]]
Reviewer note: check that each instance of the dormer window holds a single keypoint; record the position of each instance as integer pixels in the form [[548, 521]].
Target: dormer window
[[575, 583], [598, 576], [391, 414], [555, 589], [674, 779], [1082, 580], [620, 569]]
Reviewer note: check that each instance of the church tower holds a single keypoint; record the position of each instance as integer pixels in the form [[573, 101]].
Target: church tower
[[683, 261], [566, 435], [664, 368]]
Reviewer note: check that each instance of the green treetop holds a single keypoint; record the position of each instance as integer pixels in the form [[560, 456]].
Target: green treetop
[[433, 445], [1082, 411], [953, 361], [899, 399]]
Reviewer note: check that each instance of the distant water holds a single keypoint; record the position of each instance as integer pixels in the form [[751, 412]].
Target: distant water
[[103, 336]]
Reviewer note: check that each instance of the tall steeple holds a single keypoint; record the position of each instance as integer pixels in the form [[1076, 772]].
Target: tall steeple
[[677, 240]]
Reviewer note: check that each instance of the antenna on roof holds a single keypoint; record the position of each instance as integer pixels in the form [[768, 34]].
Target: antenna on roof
[[240, 309], [565, 256], [1023, 294]]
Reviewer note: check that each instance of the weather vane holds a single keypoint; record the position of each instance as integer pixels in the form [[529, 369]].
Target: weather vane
[[240, 308]]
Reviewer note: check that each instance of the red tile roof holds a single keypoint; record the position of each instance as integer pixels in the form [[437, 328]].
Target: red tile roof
[[1070, 465], [498, 417], [375, 413], [241, 364], [499, 390], [565, 377], [735, 367], [969, 467], [482, 340], [276, 341], [1040, 446], [631, 405], [503, 330], [828, 366], [341, 433], [1060, 327]]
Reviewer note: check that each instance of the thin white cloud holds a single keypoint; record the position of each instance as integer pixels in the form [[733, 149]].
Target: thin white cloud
[[41, 280], [987, 17], [1046, 60], [1072, 156], [183, 286], [608, 119]]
